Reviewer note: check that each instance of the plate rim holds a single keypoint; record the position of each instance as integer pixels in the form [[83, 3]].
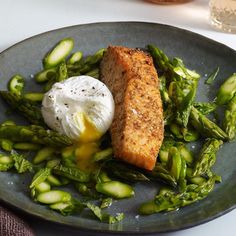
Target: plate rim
[[107, 231]]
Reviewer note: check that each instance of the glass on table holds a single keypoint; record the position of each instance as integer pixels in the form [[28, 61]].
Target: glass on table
[[223, 15], [168, 1]]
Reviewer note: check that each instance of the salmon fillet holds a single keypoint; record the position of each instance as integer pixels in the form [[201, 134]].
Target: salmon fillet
[[137, 129]]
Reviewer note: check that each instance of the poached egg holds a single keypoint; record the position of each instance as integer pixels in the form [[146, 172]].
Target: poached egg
[[80, 107]]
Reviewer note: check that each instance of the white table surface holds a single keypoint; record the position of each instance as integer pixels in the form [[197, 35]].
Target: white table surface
[[20, 19]]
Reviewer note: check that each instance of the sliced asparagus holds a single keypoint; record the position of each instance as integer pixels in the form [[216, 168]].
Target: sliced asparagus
[[227, 90], [58, 53], [54, 196], [16, 84], [115, 189], [34, 97]]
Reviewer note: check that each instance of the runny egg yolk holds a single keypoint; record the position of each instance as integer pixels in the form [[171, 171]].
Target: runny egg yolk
[[87, 145], [84, 153], [89, 132]]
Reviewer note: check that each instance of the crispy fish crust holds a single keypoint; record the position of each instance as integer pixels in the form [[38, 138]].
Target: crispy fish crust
[[137, 129]]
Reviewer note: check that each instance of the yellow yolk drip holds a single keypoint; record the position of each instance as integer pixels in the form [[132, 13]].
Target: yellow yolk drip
[[87, 145], [84, 154], [89, 132]]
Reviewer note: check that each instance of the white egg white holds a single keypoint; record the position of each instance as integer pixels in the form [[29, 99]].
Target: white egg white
[[67, 104]]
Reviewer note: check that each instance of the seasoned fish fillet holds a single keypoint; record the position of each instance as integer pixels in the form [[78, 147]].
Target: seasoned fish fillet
[[137, 129]]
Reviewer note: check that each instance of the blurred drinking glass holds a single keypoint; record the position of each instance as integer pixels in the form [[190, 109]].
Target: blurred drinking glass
[[168, 1], [223, 15]]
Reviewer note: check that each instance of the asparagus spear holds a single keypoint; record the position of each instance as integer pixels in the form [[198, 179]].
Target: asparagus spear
[[170, 201], [34, 134], [61, 72], [227, 90], [25, 107], [205, 107], [175, 162], [161, 174], [182, 89], [207, 156], [229, 122], [72, 173], [124, 171], [206, 127]]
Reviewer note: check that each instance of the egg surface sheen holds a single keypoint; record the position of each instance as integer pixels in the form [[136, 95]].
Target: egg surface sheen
[[80, 107]]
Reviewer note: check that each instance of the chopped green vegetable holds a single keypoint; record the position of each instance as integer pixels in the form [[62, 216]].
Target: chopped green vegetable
[[62, 72], [54, 196], [6, 145], [115, 189], [25, 107], [6, 162], [26, 146], [172, 201], [20, 163], [45, 75], [207, 156], [212, 76], [227, 90], [124, 171], [206, 127], [75, 57], [205, 107], [43, 187], [58, 53], [34, 134], [16, 84], [43, 154], [103, 155], [229, 122], [34, 97], [72, 173], [175, 162], [104, 217], [106, 202]]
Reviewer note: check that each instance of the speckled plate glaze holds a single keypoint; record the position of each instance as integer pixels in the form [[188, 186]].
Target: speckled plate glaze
[[198, 52]]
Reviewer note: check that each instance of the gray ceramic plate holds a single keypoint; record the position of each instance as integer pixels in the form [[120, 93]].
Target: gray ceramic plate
[[198, 52]]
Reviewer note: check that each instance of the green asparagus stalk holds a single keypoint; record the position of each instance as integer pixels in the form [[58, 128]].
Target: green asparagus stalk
[[182, 88], [171, 201], [6, 162], [25, 107], [205, 107], [206, 127], [229, 123], [175, 162], [72, 173], [161, 174], [61, 72], [34, 134], [227, 90], [207, 156], [87, 65], [58, 53], [124, 171]]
